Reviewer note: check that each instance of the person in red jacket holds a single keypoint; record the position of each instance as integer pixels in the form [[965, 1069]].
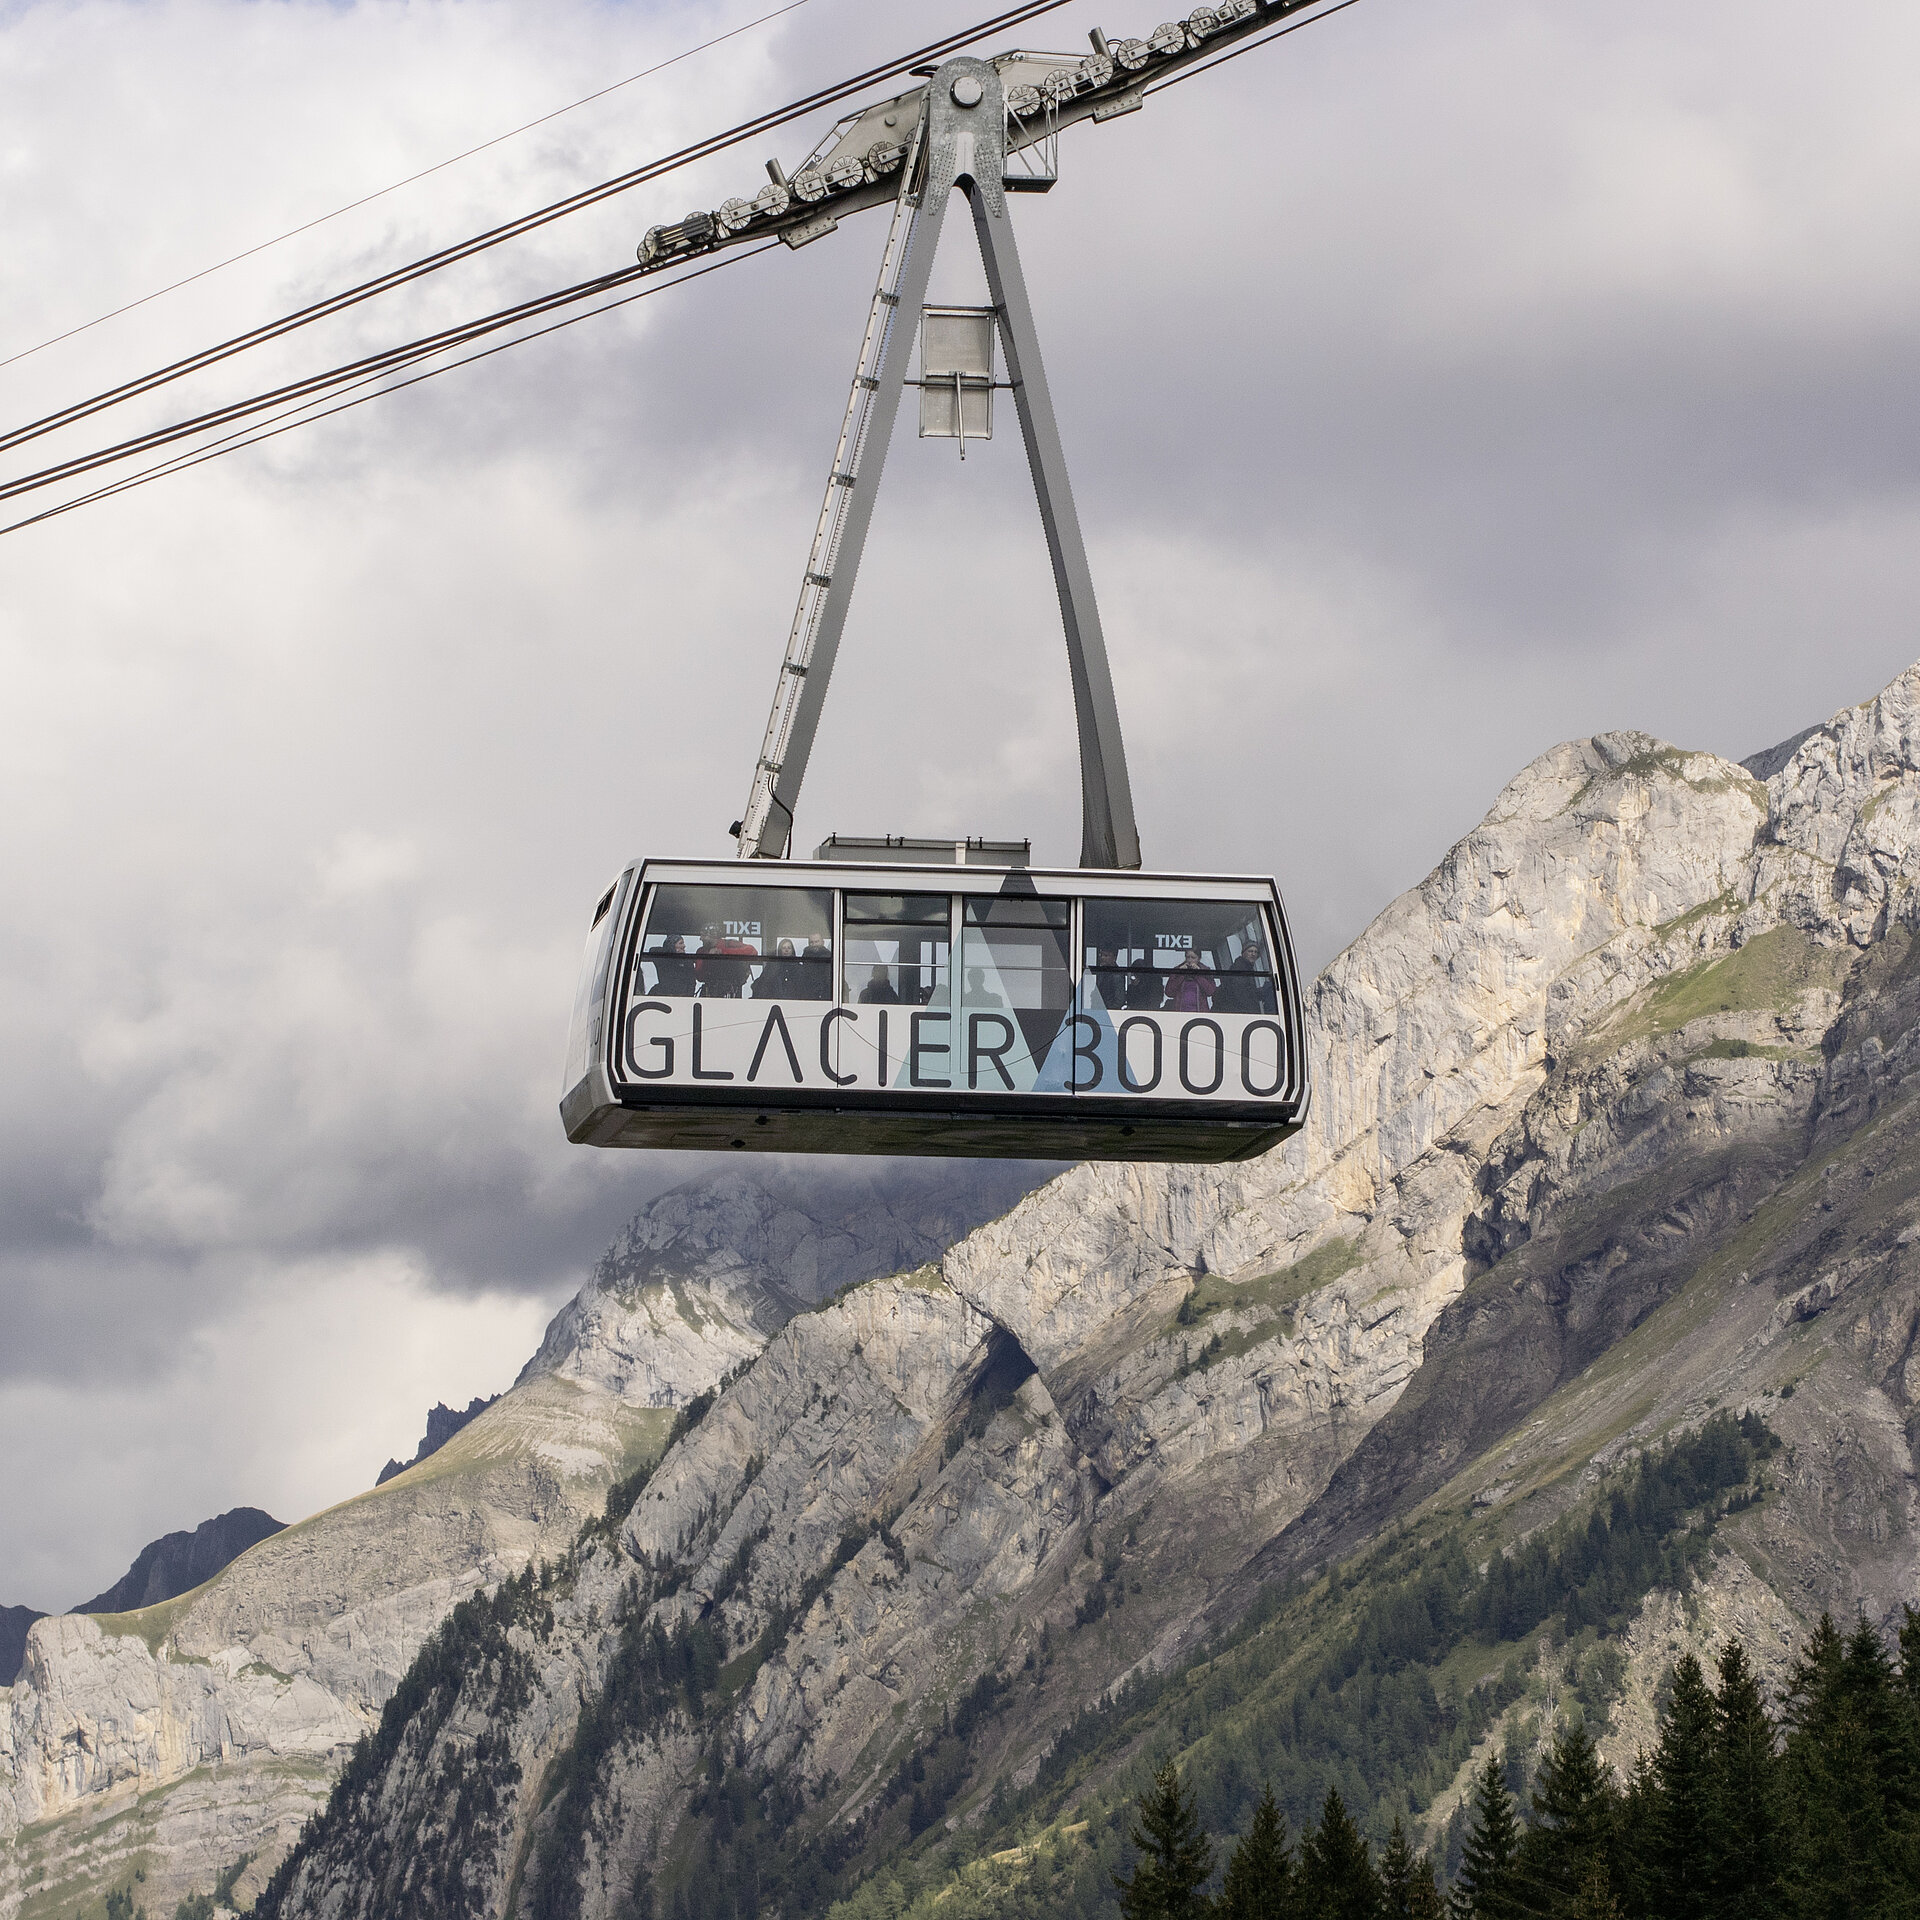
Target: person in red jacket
[[723, 973]]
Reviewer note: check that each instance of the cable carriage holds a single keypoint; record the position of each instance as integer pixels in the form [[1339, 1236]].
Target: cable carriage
[[940, 997], [830, 1007]]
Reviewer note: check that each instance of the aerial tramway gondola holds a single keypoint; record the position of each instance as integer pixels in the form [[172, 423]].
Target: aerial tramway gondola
[[941, 997]]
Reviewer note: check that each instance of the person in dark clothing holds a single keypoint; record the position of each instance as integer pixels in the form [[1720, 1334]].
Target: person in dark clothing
[[813, 973], [878, 992], [673, 970], [1143, 987], [776, 978], [723, 967], [1245, 988], [1109, 978]]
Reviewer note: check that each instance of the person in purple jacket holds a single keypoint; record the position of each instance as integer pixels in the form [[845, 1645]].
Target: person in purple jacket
[[1190, 987]]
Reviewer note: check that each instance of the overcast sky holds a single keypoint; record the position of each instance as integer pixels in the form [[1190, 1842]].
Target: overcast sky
[[1441, 383]]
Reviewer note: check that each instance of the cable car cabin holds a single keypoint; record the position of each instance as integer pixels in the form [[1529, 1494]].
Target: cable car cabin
[[881, 1008]]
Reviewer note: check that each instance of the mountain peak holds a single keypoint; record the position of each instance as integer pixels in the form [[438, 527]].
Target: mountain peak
[[706, 1273], [176, 1563]]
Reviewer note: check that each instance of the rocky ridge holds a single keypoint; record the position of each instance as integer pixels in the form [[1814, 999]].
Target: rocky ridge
[[1552, 1202], [176, 1738], [170, 1566], [1611, 1127], [443, 1422]]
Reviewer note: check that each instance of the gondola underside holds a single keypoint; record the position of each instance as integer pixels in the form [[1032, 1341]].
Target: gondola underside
[[1026, 1135]]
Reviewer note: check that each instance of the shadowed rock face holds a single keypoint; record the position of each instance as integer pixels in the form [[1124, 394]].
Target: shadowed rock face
[[443, 1422], [14, 1622], [1614, 1123], [176, 1563]]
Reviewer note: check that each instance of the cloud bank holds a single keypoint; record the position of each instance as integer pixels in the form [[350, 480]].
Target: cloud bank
[[1436, 385]]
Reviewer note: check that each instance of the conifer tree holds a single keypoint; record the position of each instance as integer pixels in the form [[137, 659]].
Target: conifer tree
[[1907, 1839], [1593, 1899], [1574, 1807], [1745, 1810], [1845, 1851], [1484, 1890], [1259, 1881], [1910, 1655], [1408, 1890], [1874, 1691], [1682, 1857], [1634, 1868], [1176, 1857], [1337, 1880]]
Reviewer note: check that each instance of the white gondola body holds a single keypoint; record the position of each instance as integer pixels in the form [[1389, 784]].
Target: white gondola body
[[829, 1007]]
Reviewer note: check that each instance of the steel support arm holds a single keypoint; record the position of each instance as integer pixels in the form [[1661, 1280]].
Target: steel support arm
[[964, 145]]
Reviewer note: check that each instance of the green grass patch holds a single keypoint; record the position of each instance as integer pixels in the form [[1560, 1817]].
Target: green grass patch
[[1269, 1294], [1749, 1050], [1765, 976], [1269, 1299], [152, 1624], [1726, 902]]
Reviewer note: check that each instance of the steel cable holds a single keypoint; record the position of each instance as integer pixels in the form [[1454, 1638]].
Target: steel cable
[[526, 223], [351, 373], [267, 430], [380, 193]]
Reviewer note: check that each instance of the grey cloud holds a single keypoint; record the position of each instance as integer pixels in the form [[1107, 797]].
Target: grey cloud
[[1437, 385]]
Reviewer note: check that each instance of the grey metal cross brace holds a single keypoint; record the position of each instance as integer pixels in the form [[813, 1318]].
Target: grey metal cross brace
[[962, 143]]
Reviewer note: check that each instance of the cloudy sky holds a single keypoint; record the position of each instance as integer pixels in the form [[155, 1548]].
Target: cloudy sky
[[1439, 384]]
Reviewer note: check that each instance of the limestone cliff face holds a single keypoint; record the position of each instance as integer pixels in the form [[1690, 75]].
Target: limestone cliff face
[[1611, 1126], [1429, 1035], [1201, 1372], [270, 1671], [702, 1277]]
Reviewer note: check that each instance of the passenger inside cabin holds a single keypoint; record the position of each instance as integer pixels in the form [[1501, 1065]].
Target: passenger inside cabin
[[813, 976], [1190, 987], [979, 994], [673, 969], [1110, 978], [723, 972], [878, 991], [776, 979], [1240, 989]]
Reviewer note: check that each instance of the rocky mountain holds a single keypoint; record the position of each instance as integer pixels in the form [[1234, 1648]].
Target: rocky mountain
[[178, 1562], [1339, 1466], [161, 1570], [443, 1422], [172, 1740], [703, 1278], [1612, 1139]]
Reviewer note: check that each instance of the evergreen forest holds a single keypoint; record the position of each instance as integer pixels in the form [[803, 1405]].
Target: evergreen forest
[[1295, 1767], [1736, 1815]]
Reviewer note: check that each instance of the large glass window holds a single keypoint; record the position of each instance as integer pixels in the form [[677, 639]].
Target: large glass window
[[737, 943], [1015, 956], [897, 949], [1178, 956]]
